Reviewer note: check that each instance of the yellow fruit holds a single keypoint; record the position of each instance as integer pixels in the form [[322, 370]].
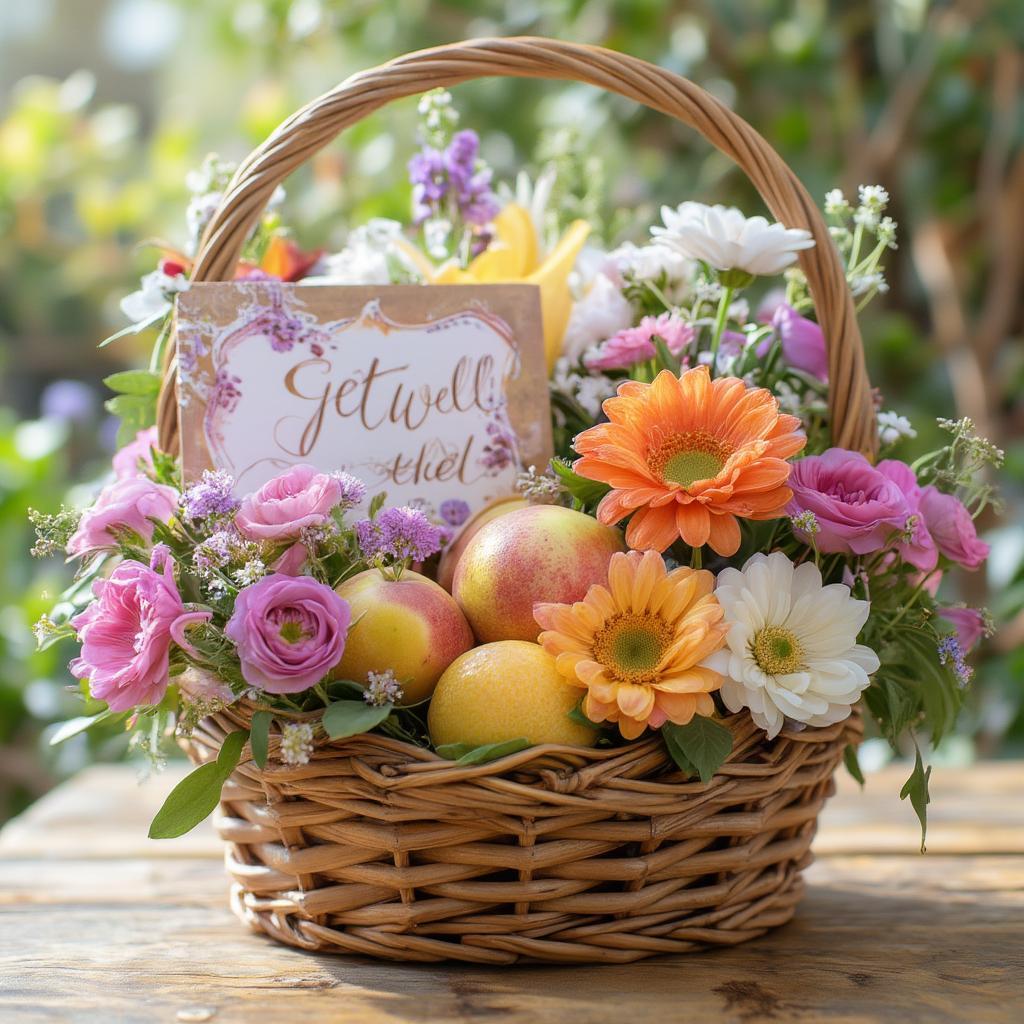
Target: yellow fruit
[[504, 691]]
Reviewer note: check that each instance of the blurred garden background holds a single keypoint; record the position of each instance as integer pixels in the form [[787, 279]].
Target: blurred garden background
[[106, 105]]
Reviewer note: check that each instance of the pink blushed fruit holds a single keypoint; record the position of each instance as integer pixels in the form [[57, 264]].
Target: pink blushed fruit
[[540, 553], [411, 626], [452, 554]]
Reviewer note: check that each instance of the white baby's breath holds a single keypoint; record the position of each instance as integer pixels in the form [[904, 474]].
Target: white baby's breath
[[892, 426], [727, 240], [792, 650], [370, 255], [296, 742]]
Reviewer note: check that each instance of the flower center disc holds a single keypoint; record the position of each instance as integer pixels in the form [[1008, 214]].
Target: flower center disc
[[685, 458], [631, 646], [777, 651]]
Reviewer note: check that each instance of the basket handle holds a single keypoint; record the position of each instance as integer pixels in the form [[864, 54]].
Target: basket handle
[[316, 124]]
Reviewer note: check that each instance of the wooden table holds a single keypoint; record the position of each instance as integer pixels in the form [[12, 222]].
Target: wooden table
[[97, 923]]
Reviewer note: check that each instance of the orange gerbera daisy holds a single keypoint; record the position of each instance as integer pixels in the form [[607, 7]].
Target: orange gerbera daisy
[[686, 455], [637, 644]]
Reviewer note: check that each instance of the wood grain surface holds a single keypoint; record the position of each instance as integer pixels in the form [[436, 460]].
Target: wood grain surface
[[98, 923]]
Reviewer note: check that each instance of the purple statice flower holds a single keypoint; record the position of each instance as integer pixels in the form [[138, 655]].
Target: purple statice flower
[[470, 183], [950, 652], [216, 551], [399, 534], [211, 496], [429, 183], [353, 490], [435, 175], [454, 511]]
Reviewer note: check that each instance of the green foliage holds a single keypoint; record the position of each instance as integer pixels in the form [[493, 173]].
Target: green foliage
[[259, 737], [916, 787], [852, 763], [700, 747], [346, 718], [466, 753], [194, 798], [587, 492]]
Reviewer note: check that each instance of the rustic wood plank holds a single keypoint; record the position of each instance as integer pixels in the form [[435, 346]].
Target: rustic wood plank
[[98, 923], [877, 939]]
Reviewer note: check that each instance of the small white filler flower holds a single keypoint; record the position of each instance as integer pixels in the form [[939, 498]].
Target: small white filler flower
[[296, 743], [792, 648], [729, 241]]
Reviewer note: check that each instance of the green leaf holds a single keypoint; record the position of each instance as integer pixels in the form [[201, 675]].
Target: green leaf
[[894, 704], [138, 328], [852, 763], [916, 787], [465, 753], [259, 737], [134, 382], [75, 726], [377, 503], [193, 799], [703, 743], [346, 718], [136, 412], [577, 715], [587, 492], [665, 359]]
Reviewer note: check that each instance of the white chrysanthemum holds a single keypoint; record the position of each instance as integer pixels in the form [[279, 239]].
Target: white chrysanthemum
[[792, 648], [727, 240], [371, 253], [651, 262], [596, 316]]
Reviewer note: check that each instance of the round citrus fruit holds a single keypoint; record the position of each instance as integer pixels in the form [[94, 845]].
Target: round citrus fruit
[[503, 691]]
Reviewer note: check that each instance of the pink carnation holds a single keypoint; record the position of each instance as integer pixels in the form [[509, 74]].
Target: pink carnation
[[636, 344], [286, 505], [128, 462], [128, 504], [126, 635], [857, 508], [952, 527], [919, 550], [289, 631]]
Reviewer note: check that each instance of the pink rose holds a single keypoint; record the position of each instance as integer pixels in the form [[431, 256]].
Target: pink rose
[[128, 504], [952, 528], [919, 550], [286, 505], [126, 635], [968, 623], [802, 340], [290, 632], [857, 508], [126, 461]]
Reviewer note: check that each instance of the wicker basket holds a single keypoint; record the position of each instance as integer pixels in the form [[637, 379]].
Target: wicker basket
[[560, 854]]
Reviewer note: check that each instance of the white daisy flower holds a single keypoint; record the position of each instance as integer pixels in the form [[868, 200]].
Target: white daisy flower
[[727, 240], [792, 650]]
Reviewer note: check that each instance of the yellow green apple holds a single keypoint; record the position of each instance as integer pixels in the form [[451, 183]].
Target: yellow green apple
[[538, 553], [452, 554], [410, 625]]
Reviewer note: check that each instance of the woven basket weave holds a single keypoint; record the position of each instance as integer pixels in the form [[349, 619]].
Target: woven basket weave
[[556, 853]]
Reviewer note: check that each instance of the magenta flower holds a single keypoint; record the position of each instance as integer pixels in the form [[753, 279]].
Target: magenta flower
[[283, 507], [135, 457], [126, 635], [857, 508], [969, 624], [952, 528], [802, 340], [289, 632], [130, 504], [919, 549], [636, 344]]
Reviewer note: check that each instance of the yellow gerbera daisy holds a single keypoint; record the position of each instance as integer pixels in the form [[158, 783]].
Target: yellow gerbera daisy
[[637, 645]]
